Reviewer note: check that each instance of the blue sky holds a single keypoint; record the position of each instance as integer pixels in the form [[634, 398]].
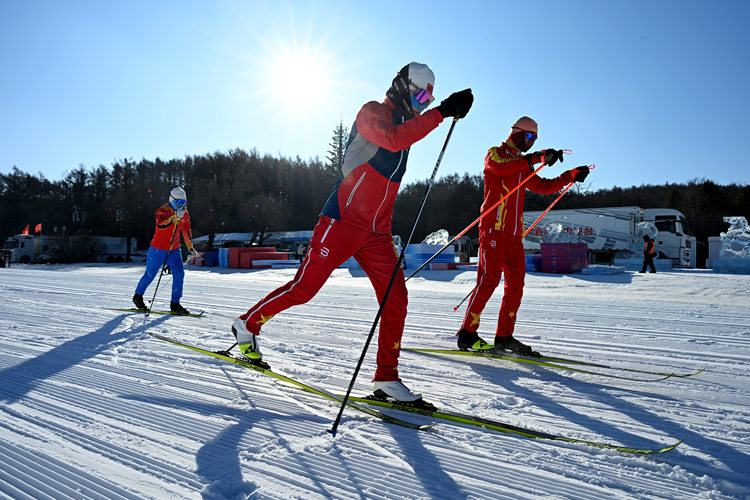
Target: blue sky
[[650, 92]]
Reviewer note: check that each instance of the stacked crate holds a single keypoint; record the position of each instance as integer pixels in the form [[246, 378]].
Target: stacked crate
[[563, 258]]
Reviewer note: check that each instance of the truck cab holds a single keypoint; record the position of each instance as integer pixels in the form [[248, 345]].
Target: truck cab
[[22, 247], [671, 240]]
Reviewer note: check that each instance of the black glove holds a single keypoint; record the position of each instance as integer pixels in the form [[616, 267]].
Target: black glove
[[552, 156], [580, 173], [457, 104], [548, 156]]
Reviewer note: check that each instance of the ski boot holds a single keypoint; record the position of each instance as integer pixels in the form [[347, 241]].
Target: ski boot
[[510, 343], [139, 304], [247, 341], [176, 308], [471, 340], [394, 391]]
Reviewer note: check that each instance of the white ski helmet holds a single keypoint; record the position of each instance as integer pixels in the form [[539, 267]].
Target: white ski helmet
[[177, 194], [419, 75], [177, 198], [413, 76]]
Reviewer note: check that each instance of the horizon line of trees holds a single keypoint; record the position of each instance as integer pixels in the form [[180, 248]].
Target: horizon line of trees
[[242, 191]]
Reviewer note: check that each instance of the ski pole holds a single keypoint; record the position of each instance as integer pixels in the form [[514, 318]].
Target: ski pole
[[169, 248], [393, 278], [464, 300], [591, 167]]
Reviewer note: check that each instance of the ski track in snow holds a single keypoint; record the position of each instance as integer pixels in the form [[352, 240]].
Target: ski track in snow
[[91, 406]]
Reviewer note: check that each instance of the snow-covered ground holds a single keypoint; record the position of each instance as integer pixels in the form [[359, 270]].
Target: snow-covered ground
[[91, 406]]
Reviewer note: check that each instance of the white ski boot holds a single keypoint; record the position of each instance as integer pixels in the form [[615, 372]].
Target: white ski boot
[[248, 343], [396, 390]]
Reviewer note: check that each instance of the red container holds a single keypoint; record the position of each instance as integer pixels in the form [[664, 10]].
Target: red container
[[234, 257], [564, 257], [247, 257]]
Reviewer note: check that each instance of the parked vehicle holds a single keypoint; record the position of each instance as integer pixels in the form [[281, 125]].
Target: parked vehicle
[[35, 248], [612, 232]]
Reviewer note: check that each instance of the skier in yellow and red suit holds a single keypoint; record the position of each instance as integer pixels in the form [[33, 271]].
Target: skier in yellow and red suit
[[501, 233]]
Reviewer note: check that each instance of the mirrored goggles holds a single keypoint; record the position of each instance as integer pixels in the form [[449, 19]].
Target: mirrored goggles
[[420, 99], [530, 136], [179, 203], [422, 96]]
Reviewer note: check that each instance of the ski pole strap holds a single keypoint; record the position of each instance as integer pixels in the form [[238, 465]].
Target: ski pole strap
[[493, 207], [591, 167]]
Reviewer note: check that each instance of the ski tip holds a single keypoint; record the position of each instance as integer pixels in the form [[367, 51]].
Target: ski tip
[[670, 448], [652, 451], [691, 374]]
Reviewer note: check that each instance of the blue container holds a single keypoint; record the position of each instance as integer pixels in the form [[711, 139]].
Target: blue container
[[223, 257], [211, 259]]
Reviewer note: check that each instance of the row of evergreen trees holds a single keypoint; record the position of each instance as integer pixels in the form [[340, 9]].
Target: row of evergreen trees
[[241, 191]]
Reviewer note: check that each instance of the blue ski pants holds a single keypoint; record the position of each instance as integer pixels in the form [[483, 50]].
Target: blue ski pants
[[154, 261]]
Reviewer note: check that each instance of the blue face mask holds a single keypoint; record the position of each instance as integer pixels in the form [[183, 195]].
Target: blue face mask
[[177, 204]]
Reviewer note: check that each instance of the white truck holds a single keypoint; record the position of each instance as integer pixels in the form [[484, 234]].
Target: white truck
[[35, 248], [612, 231]]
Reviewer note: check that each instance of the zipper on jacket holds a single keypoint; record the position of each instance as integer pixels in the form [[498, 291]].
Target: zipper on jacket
[[387, 188], [515, 228], [351, 195]]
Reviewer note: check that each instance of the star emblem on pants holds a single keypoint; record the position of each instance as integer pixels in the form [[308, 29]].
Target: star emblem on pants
[[475, 318], [263, 319]]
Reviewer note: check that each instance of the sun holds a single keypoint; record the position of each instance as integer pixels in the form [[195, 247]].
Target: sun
[[299, 79]]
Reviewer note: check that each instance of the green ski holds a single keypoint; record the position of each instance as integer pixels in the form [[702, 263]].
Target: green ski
[[225, 356], [508, 428], [535, 361], [554, 360]]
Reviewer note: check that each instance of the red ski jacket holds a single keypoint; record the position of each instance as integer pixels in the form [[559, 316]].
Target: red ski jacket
[[374, 164], [504, 169], [165, 221]]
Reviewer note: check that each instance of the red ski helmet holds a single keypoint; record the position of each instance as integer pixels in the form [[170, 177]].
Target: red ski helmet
[[526, 124]]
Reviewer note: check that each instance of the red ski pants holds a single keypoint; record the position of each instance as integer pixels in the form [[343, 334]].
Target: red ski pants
[[332, 243], [498, 252]]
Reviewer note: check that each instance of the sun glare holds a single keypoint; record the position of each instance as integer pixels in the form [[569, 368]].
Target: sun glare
[[299, 80]]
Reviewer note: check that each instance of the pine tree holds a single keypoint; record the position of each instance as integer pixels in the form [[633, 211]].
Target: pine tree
[[335, 157]]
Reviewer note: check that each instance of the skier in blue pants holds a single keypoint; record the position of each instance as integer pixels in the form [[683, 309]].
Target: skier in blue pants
[[171, 219]]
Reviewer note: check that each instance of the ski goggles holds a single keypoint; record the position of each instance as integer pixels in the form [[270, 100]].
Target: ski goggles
[[179, 203], [530, 136], [420, 99], [422, 96]]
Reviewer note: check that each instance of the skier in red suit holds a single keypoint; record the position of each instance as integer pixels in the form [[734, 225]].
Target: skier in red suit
[[171, 220], [356, 219], [501, 232]]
